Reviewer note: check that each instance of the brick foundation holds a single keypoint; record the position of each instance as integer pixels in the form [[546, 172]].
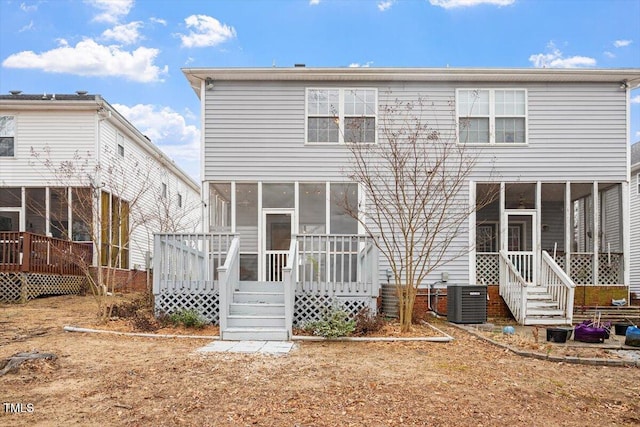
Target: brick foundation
[[128, 281], [598, 295], [496, 307]]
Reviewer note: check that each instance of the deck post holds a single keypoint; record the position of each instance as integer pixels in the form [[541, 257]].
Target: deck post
[[26, 252]]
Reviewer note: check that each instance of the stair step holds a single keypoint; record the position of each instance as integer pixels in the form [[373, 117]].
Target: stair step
[[255, 334], [256, 309], [544, 312], [258, 297], [253, 286], [541, 304], [545, 321], [255, 321]]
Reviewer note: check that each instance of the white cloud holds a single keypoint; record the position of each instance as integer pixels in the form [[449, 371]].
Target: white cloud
[[314, 2], [635, 99], [125, 33], [452, 4], [28, 8], [206, 31], [384, 5], [88, 58], [169, 130], [27, 27], [158, 20], [358, 65], [609, 54], [622, 43], [556, 59], [111, 10]]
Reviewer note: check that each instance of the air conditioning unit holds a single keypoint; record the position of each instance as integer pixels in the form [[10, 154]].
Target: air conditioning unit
[[467, 304]]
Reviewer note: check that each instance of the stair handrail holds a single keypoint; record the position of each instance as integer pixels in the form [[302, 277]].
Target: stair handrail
[[513, 287], [229, 280], [290, 279], [558, 284]]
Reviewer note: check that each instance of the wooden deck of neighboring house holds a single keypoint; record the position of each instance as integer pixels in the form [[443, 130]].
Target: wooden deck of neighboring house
[[32, 265]]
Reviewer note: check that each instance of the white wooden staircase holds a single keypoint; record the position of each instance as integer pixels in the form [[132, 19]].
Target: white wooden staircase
[[548, 301], [256, 312]]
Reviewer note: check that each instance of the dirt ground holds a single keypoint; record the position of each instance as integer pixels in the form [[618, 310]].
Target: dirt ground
[[106, 380]]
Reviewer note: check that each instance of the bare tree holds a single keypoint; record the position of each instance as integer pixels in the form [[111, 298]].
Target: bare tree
[[107, 202], [416, 180]]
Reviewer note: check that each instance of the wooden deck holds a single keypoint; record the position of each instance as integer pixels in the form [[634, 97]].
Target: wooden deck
[[33, 253]]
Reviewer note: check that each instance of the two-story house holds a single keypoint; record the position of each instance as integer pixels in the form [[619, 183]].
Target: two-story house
[[74, 169], [552, 146]]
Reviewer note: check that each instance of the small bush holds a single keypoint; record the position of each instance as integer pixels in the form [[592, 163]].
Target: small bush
[[335, 323], [367, 322], [188, 318]]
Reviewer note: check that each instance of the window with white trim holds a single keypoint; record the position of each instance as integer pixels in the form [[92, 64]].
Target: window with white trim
[[638, 181], [7, 136], [120, 139], [341, 115], [492, 116]]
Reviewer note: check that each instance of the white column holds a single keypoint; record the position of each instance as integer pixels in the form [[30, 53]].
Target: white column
[[328, 207], [47, 212], [260, 235], [503, 219], [538, 236], [70, 213], [567, 228], [472, 233], [22, 226], [205, 206], [596, 231], [626, 237], [233, 206]]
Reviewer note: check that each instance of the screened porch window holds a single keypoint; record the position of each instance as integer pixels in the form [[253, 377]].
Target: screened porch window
[[341, 115], [492, 116]]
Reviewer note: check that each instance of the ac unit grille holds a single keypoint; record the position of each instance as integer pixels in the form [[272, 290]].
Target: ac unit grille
[[467, 304]]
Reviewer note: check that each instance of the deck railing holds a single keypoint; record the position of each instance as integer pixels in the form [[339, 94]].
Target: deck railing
[[189, 262], [290, 278], [33, 253], [513, 287], [276, 260], [558, 284], [523, 262], [337, 264], [229, 275]]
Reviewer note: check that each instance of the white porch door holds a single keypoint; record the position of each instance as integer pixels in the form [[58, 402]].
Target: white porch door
[[278, 227], [519, 238]]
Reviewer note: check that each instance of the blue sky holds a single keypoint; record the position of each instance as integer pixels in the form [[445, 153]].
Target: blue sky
[[131, 51]]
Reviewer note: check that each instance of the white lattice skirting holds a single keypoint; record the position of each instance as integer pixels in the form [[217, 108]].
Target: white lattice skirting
[[15, 287], [207, 304], [310, 308]]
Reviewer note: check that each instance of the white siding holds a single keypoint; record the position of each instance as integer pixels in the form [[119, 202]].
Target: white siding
[[65, 133], [254, 131]]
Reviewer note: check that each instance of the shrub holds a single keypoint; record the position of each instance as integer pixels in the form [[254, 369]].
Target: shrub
[[188, 318], [334, 323], [366, 322]]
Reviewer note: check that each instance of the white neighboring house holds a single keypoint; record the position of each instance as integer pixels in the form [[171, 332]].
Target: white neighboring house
[[56, 150], [634, 283]]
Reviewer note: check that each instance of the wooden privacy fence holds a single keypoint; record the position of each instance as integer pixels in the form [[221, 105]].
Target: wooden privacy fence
[[33, 253]]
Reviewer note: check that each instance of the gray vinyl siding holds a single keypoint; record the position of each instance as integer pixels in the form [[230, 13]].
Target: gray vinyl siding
[[635, 232], [255, 131]]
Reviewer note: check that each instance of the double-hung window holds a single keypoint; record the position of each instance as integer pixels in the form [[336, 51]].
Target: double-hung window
[[492, 116], [341, 115], [7, 136]]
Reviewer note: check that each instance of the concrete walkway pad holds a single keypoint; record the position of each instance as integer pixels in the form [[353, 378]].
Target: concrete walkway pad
[[267, 347]]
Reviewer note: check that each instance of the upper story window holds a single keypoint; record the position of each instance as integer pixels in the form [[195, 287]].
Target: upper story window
[[179, 200], [164, 190], [638, 181], [341, 115], [492, 116], [120, 139], [7, 136]]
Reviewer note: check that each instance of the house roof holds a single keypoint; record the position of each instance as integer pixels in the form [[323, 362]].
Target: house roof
[[629, 76], [84, 101]]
